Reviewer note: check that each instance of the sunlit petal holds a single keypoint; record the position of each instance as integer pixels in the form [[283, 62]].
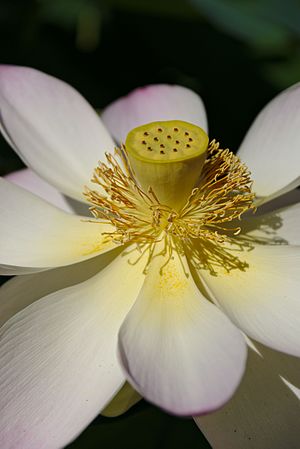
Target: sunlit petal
[[179, 350], [35, 235], [263, 297]]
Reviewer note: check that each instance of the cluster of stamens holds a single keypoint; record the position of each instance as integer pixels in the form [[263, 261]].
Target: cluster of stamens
[[222, 195]]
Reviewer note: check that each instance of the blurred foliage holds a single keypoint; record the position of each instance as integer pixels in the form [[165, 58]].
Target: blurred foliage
[[270, 27], [84, 16], [258, 23], [237, 54]]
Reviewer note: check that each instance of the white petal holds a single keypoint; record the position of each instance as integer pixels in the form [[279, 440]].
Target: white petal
[[178, 350], [35, 235], [30, 181], [53, 129], [251, 345], [58, 359], [288, 199], [126, 398], [153, 103], [281, 226], [278, 194], [6, 136], [263, 300], [263, 414], [270, 148], [292, 387], [21, 291]]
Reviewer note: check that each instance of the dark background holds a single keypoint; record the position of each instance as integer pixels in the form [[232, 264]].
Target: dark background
[[237, 54]]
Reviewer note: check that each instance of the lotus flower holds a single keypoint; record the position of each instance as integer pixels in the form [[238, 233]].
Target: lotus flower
[[166, 283]]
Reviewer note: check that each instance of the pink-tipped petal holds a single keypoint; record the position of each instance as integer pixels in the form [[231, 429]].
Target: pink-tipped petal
[[52, 128], [271, 146], [153, 103]]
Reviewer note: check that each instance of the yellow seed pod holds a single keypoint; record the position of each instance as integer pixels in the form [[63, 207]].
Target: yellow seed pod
[[167, 156]]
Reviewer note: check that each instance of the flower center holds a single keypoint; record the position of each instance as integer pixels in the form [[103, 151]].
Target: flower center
[[187, 197]]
